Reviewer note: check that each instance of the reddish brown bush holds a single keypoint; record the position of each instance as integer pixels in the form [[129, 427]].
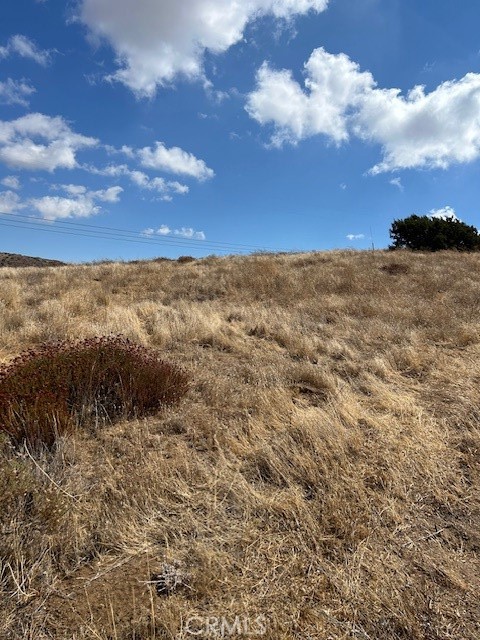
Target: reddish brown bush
[[51, 390], [395, 268]]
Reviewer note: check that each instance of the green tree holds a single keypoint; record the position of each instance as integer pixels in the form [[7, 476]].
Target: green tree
[[425, 233]]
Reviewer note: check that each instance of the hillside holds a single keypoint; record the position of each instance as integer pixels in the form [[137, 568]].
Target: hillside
[[18, 260], [319, 480]]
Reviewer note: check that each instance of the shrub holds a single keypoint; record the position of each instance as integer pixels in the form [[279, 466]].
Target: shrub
[[184, 259], [51, 390], [395, 268], [426, 233]]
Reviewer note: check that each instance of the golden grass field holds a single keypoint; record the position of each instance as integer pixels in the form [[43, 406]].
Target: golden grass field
[[322, 471]]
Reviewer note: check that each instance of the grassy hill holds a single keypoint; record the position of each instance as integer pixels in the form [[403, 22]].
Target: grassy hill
[[322, 471], [18, 260]]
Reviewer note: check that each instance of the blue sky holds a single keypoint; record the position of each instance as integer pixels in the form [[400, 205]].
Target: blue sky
[[206, 126]]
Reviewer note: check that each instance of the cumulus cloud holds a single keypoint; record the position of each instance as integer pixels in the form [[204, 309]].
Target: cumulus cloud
[[40, 142], [444, 213], [15, 92], [25, 48], [159, 158], [10, 202], [112, 194], [178, 187], [157, 184], [81, 203], [111, 170], [11, 182], [337, 100], [188, 232], [431, 130], [355, 236], [56, 207], [184, 232], [157, 41], [124, 149], [174, 160], [71, 189], [333, 86]]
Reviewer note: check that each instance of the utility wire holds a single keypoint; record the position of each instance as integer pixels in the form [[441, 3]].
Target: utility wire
[[33, 224], [124, 234], [30, 227]]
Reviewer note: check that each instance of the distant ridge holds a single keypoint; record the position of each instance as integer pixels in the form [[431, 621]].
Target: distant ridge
[[17, 260]]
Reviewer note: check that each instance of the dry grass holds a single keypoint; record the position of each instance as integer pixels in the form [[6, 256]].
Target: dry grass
[[322, 471]]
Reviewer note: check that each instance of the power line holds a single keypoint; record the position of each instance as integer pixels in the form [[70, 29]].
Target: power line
[[30, 227], [113, 233]]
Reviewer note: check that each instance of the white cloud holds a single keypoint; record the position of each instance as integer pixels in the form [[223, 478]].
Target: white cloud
[[15, 92], [10, 202], [444, 213], [355, 236], [397, 182], [139, 178], [164, 187], [81, 203], [125, 150], [333, 85], [184, 232], [178, 187], [25, 48], [73, 189], [188, 232], [174, 160], [40, 142], [159, 158], [112, 194], [111, 170], [56, 207], [11, 182], [419, 130], [157, 41], [431, 130]]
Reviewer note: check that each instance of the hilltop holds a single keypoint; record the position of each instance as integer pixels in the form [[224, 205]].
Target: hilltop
[[322, 472], [18, 260]]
